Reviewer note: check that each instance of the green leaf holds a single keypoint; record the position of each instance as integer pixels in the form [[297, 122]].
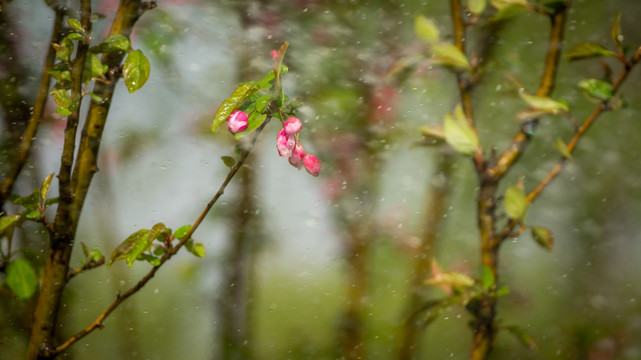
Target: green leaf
[[503, 4], [228, 161], [544, 103], [543, 236], [515, 203], [127, 246], [617, 38], [597, 89], [64, 49], [502, 291], [140, 245], [75, 37], [61, 97], [85, 249], [44, 188], [449, 55], [135, 70], [508, 12], [32, 215], [95, 255], [434, 134], [62, 111], [425, 29], [158, 231], [267, 81], [8, 221], [114, 43], [587, 50], [94, 68], [254, 121], [459, 134], [563, 149], [454, 279], [262, 102], [154, 261], [487, 278], [523, 336], [75, 24], [21, 278], [182, 231], [195, 248], [30, 201], [476, 6], [230, 104], [95, 97]]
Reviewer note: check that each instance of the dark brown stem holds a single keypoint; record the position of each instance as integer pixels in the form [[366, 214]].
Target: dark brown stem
[[98, 323], [88, 266]]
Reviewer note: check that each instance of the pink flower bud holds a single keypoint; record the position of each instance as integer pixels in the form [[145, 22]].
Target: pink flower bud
[[237, 121], [274, 54], [296, 159], [292, 125], [285, 144], [312, 164]]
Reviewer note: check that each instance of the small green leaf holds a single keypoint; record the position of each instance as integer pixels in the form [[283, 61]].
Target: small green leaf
[[158, 251], [267, 81], [75, 37], [154, 261], [543, 236], [254, 121], [8, 221], [95, 97], [30, 201], [617, 38], [487, 278], [503, 290], [515, 203], [128, 246], [502, 4], [32, 215], [62, 111], [262, 102], [597, 89], [95, 255], [563, 149], [141, 245], [115, 43], [508, 12], [433, 133], [21, 278], [94, 68], [425, 29], [195, 248], [476, 6], [449, 55], [85, 249], [61, 97], [459, 134], [135, 70], [75, 24], [230, 104], [44, 188], [64, 49], [587, 50], [543, 103], [454, 279], [182, 231], [158, 231], [523, 336], [228, 161]]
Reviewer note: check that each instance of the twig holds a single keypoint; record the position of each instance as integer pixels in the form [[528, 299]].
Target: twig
[[120, 298], [88, 266]]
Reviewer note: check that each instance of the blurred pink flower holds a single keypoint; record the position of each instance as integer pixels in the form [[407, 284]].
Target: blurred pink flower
[[237, 121], [296, 159], [285, 143], [312, 164], [292, 126], [274, 54]]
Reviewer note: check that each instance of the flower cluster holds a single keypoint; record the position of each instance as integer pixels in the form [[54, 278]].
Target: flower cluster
[[287, 141], [289, 146]]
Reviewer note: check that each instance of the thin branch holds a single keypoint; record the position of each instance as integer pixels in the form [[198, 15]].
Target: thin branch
[[28, 137], [168, 255], [88, 266]]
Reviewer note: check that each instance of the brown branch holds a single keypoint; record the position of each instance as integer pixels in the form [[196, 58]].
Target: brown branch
[[88, 266], [522, 138], [96, 324], [29, 134]]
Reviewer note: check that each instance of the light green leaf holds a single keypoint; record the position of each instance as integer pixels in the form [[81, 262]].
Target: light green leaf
[[8, 221], [154, 261], [127, 246], [597, 89], [182, 231], [515, 203], [85, 249], [135, 70], [95, 97], [64, 49], [63, 111], [459, 134], [44, 188], [434, 134], [254, 121], [454, 279], [158, 231], [476, 6], [75, 24], [262, 102], [94, 68], [425, 29], [141, 245], [113, 43], [502, 4], [75, 37], [228, 161], [543, 236], [61, 97], [509, 12], [563, 149], [587, 50], [230, 104], [95, 255], [21, 278], [449, 55], [543, 103], [195, 248], [32, 215], [487, 278]]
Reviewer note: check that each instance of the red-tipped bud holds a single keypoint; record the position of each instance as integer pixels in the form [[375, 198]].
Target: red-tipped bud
[[237, 121], [312, 164], [285, 143], [296, 159], [274, 54], [292, 125]]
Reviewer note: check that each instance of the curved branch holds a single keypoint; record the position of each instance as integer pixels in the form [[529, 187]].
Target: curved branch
[[97, 324]]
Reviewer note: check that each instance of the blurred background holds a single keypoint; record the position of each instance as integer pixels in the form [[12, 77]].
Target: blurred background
[[299, 267]]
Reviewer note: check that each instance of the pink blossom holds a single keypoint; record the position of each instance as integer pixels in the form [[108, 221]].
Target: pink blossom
[[285, 143], [237, 121], [312, 164], [274, 54], [292, 125], [296, 159]]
